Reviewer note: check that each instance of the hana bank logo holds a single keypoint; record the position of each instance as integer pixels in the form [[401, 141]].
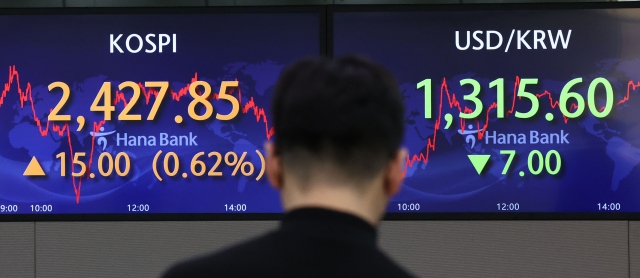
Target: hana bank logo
[[470, 139], [102, 141]]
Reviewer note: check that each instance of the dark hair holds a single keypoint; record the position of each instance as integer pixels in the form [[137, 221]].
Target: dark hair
[[346, 111]]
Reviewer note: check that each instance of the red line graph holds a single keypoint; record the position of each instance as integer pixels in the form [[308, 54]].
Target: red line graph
[[453, 102], [260, 114], [63, 129]]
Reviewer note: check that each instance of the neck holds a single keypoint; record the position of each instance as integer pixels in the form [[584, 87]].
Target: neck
[[368, 205]]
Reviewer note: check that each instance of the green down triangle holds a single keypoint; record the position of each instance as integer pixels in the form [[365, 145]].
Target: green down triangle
[[479, 161]]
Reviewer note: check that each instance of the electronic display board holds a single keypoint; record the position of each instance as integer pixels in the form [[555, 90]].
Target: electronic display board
[[511, 109], [143, 111]]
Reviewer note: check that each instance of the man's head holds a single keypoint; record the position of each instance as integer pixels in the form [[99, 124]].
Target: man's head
[[338, 125]]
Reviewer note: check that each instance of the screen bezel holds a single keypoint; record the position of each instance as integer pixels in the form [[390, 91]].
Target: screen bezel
[[335, 9], [325, 18], [322, 40]]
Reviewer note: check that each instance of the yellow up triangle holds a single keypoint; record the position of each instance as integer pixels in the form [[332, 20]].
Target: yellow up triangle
[[34, 169]]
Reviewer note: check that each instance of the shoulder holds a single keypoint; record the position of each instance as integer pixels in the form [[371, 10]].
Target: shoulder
[[231, 261], [392, 268], [370, 263], [291, 255]]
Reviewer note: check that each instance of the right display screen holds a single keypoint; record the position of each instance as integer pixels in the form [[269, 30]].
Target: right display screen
[[511, 110]]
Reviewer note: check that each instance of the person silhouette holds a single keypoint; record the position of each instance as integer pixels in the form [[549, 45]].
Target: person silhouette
[[336, 160]]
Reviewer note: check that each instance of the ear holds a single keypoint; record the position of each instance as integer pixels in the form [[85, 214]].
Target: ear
[[395, 172], [274, 166]]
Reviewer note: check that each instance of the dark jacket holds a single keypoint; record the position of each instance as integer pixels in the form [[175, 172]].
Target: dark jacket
[[310, 242]]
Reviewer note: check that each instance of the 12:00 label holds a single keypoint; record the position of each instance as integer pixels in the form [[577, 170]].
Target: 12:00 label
[[138, 207], [508, 206]]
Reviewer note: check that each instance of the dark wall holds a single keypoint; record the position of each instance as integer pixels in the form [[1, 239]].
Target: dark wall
[[427, 248]]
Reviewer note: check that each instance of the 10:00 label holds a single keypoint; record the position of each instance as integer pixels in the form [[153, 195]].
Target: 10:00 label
[[408, 207], [41, 208]]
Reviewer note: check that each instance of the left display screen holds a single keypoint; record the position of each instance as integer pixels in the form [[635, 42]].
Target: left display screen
[[142, 113]]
